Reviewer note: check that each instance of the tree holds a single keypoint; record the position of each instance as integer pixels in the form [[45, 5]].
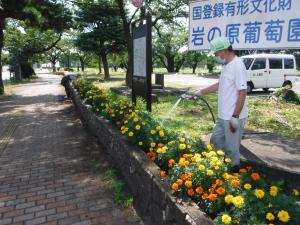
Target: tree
[[44, 14], [23, 44], [53, 56], [102, 33], [193, 59], [167, 44]]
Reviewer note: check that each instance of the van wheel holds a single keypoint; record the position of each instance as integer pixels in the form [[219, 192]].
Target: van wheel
[[266, 89], [287, 83], [249, 87]]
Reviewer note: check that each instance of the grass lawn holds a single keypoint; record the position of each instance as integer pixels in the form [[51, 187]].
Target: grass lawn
[[194, 119]]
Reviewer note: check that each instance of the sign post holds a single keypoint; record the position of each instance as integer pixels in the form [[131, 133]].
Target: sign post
[[142, 61], [259, 24]]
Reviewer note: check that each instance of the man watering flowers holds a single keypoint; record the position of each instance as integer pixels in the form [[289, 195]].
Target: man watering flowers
[[232, 109]]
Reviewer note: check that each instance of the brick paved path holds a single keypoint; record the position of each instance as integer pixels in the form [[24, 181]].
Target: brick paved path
[[51, 170]]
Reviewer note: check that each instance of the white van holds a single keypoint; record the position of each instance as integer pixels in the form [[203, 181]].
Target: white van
[[269, 71]]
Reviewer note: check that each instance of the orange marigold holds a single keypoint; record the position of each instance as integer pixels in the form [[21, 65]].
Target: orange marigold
[[172, 161], [163, 173], [212, 197], [188, 183], [179, 182], [160, 145], [243, 170], [221, 191], [184, 176], [235, 183], [204, 196], [174, 186], [219, 182], [255, 176], [199, 190], [190, 192]]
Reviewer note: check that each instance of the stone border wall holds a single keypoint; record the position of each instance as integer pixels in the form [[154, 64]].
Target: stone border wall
[[153, 199]]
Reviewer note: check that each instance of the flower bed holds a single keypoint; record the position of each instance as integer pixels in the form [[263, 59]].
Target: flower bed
[[194, 170]]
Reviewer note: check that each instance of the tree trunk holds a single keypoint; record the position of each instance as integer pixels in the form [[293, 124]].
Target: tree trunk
[[194, 67], [170, 64], [126, 26], [99, 65], [2, 21], [105, 65], [53, 66], [81, 63], [68, 60]]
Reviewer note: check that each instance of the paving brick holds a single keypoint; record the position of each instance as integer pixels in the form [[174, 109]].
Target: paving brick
[[57, 216], [25, 205], [36, 221], [5, 221], [35, 209], [85, 222], [23, 217], [45, 212], [69, 220]]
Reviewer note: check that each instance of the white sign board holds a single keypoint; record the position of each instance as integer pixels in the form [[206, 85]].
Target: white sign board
[[248, 24], [139, 57]]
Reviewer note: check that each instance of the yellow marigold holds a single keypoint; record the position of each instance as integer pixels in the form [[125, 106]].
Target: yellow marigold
[[295, 192], [161, 133], [130, 134], [259, 193], [283, 216], [186, 163], [228, 199], [140, 143], [201, 167], [182, 140], [182, 146], [247, 186], [179, 182], [137, 127], [228, 160], [159, 150], [135, 119], [270, 216], [220, 153], [273, 191], [113, 115], [97, 110], [157, 128], [164, 150], [143, 123], [189, 147], [188, 183], [226, 219], [153, 144], [174, 186], [210, 147], [238, 201], [209, 172], [152, 132], [181, 162]]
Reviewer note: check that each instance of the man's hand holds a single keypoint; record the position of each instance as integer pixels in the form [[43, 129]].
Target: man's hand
[[234, 124]]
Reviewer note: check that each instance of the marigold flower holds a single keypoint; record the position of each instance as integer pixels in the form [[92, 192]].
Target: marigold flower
[[97, 110], [135, 119], [209, 172], [140, 143], [184, 176], [190, 192], [152, 132], [161, 133], [182, 146], [235, 183], [199, 190], [273, 191], [181, 140], [179, 182], [163, 173], [174, 186], [157, 128], [201, 167], [220, 153], [247, 186], [212, 197], [153, 144], [295, 192], [130, 134], [221, 191], [188, 183], [259, 193], [204, 196], [226, 219], [228, 199], [238, 201], [189, 147], [172, 161], [210, 147], [243, 170], [219, 182], [160, 145], [255, 176], [283, 216], [270, 216], [228, 160], [186, 163], [137, 127]]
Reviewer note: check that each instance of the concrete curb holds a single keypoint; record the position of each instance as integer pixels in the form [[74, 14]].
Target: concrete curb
[[153, 199]]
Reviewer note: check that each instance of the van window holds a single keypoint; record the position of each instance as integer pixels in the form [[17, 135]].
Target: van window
[[288, 63], [275, 63], [247, 62], [259, 64]]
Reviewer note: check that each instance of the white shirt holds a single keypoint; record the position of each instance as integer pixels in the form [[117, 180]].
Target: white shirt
[[232, 79]]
